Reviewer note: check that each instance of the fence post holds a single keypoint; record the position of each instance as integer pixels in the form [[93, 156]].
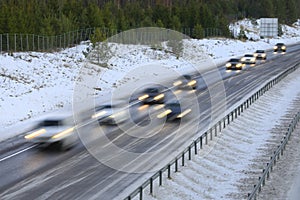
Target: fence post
[[7, 41]]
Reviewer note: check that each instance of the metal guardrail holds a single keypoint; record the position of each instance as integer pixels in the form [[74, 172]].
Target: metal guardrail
[[208, 135], [273, 159]]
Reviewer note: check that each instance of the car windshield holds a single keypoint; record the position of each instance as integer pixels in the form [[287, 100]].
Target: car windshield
[[234, 60], [50, 122], [260, 51], [173, 106], [152, 90], [187, 77], [279, 44], [248, 55], [103, 107]]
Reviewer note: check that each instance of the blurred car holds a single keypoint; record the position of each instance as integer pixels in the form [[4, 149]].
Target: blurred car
[[152, 95], [173, 111], [260, 54], [186, 82], [110, 114], [248, 59], [280, 47], [234, 63], [57, 129]]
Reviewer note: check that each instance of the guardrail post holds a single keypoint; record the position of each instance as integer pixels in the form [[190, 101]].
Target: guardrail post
[[195, 145], [176, 165], [151, 186], [224, 122], [169, 171], [141, 193], [190, 153], [220, 127], [210, 133], [271, 164], [228, 121], [201, 142], [182, 159], [206, 138], [264, 180], [216, 130], [160, 178]]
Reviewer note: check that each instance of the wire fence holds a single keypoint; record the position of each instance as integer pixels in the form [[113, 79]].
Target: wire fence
[[17, 42]]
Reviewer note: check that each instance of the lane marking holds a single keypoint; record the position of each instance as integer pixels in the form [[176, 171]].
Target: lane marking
[[14, 154]]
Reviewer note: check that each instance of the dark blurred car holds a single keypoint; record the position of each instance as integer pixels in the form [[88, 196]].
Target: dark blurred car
[[152, 95], [260, 54], [57, 129], [280, 47], [248, 59], [173, 111], [186, 82], [234, 63]]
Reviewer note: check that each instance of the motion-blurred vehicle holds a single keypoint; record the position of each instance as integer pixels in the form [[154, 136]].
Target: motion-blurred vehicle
[[152, 95], [248, 59], [280, 47], [110, 114], [186, 82], [173, 111], [260, 54], [58, 129], [234, 63]]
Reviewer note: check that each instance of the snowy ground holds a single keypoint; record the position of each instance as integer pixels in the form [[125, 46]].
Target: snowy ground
[[239, 154]]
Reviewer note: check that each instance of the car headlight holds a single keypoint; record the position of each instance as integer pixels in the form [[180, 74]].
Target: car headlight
[[252, 59], [263, 55], [99, 114], [165, 113], [158, 97], [145, 96], [243, 59], [191, 83], [177, 83], [283, 47], [63, 133], [228, 65], [35, 134], [239, 65], [275, 47], [255, 54]]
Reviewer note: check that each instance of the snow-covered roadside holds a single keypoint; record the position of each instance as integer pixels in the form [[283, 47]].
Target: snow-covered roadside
[[234, 164], [35, 83]]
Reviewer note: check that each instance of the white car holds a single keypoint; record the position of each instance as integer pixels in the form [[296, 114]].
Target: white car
[[260, 54], [248, 59], [57, 129]]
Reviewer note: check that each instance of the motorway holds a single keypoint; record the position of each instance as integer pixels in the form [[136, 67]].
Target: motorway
[[113, 161]]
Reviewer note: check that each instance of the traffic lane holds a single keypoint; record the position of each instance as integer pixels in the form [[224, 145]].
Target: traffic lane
[[29, 161]]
